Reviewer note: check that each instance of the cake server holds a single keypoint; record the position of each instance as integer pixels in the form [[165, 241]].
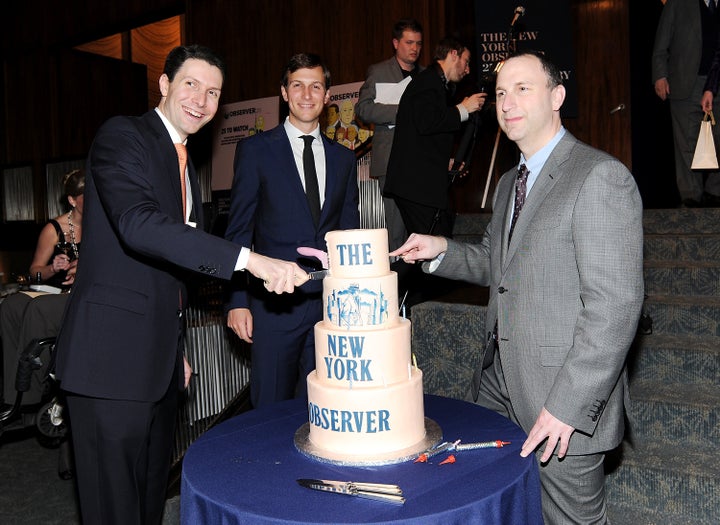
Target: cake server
[[376, 491], [318, 275]]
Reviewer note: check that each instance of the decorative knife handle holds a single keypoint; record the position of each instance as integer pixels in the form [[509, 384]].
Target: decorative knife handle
[[377, 487], [389, 498]]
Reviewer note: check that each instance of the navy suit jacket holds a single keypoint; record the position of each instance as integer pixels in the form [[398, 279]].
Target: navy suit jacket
[[269, 209], [119, 337]]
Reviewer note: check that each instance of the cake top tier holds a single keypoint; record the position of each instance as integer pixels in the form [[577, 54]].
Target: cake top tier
[[358, 253]]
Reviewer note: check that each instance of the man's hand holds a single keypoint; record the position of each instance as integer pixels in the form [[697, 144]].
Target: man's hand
[[240, 321], [707, 101], [278, 276], [662, 88], [474, 102], [188, 371], [551, 428], [420, 248]]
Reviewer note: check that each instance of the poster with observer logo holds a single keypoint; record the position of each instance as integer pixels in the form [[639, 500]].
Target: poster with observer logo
[[503, 26], [234, 122], [338, 121]]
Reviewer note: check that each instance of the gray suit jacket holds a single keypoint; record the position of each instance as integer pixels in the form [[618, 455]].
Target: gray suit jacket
[[678, 46], [566, 292], [382, 115]]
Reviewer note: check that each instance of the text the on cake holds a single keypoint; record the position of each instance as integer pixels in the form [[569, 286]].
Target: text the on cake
[[354, 254]]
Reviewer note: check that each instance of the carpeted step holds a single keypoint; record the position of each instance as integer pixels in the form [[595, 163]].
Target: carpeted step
[[446, 339], [682, 278], [694, 247], [675, 359], [674, 413], [654, 479], [681, 221], [684, 315], [631, 515]]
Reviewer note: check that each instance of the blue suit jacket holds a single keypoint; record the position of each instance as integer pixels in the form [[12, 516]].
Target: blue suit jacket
[[269, 209], [119, 336]]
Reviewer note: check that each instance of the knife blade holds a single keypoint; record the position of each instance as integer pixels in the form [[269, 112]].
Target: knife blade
[[361, 490], [318, 275]]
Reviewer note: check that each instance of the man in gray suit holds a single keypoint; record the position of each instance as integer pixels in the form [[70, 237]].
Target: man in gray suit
[[407, 41], [685, 40], [566, 289]]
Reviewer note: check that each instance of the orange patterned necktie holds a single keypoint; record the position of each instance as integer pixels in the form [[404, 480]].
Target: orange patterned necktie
[[182, 159]]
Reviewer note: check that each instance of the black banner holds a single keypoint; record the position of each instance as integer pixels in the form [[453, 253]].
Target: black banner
[[503, 26]]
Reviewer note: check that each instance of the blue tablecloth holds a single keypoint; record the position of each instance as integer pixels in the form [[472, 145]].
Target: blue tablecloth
[[244, 471]]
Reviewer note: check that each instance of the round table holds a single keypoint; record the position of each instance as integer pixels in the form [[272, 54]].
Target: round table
[[245, 470]]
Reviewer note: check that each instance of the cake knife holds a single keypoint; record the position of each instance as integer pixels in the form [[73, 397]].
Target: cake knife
[[318, 275], [376, 491]]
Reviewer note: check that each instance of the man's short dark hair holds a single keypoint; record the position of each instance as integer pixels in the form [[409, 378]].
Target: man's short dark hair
[[177, 57], [447, 44], [305, 61], [406, 24], [551, 69]]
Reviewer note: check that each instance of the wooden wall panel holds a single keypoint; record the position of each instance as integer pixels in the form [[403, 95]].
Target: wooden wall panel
[[602, 51], [258, 37]]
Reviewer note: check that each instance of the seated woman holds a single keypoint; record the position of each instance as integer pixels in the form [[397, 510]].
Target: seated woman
[[24, 317]]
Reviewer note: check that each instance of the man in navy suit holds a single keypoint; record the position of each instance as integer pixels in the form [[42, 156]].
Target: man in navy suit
[[270, 210], [119, 351]]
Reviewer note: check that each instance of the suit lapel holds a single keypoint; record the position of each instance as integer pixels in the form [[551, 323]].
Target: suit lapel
[[169, 155], [331, 160], [279, 137], [549, 176]]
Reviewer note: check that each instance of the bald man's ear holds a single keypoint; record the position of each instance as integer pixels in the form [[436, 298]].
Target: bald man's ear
[[558, 96]]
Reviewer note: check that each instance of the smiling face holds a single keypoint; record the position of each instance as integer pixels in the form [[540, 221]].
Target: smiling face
[[528, 108], [306, 97], [191, 99]]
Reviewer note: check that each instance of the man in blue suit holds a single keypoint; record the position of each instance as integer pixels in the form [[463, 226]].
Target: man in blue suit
[[270, 209], [119, 351]]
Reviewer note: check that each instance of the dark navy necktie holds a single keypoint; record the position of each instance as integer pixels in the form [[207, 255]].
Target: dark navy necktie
[[311, 181]]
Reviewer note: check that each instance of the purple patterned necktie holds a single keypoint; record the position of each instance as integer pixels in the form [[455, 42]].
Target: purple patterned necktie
[[520, 193]]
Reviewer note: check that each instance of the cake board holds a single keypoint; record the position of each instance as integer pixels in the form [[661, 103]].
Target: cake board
[[433, 436]]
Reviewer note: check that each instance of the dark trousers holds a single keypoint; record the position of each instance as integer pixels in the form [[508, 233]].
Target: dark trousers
[[122, 456], [282, 354], [414, 285], [419, 218]]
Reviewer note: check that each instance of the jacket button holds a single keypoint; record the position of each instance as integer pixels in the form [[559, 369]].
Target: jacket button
[[502, 289]]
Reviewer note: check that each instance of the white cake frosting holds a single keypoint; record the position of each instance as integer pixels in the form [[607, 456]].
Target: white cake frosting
[[365, 397]]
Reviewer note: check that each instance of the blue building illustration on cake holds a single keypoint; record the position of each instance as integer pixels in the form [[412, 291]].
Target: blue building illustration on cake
[[353, 306]]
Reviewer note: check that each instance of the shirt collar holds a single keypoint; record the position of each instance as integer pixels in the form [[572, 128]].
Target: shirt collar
[[174, 135], [294, 132], [536, 163]]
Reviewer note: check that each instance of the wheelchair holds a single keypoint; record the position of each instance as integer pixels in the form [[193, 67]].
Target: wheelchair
[[47, 416]]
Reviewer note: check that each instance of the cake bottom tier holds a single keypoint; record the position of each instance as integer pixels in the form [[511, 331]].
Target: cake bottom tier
[[362, 423]]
